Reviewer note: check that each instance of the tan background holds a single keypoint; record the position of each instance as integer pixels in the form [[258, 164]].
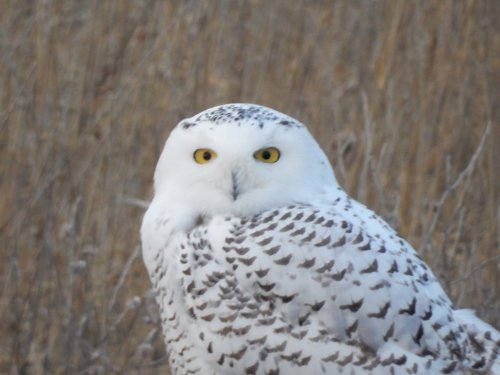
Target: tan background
[[403, 96]]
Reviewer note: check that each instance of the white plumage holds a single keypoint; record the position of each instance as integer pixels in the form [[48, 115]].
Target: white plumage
[[262, 264]]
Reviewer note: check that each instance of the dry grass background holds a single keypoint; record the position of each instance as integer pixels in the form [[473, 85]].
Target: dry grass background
[[403, 96]]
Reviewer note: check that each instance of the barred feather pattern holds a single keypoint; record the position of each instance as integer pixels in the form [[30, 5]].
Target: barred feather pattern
[[325, 287]]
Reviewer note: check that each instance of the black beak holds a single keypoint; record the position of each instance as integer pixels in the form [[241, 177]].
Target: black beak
[[234, 190]]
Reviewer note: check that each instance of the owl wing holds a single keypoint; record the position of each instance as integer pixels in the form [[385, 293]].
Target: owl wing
[[322, 288]]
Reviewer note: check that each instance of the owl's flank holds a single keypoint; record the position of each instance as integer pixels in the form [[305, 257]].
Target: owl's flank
[[262, 264]]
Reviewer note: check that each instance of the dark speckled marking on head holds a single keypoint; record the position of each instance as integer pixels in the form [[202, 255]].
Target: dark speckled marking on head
[[235, 113], [187, 124]]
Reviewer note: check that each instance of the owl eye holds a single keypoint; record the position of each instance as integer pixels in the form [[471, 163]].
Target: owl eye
[[267, 155], [204, 155]]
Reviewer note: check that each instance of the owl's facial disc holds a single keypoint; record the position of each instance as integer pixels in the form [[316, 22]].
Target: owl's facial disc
[[240, 159]]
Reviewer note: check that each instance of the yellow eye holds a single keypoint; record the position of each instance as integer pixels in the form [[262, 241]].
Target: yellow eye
[[267, 155], [204, 155]]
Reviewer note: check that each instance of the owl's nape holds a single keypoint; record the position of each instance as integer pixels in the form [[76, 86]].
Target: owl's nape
[[284, 272]]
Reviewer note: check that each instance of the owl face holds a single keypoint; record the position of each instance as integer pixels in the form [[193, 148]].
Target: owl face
[[240, 159]]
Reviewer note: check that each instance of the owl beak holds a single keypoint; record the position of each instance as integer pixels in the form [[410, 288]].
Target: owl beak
[[235, 191]]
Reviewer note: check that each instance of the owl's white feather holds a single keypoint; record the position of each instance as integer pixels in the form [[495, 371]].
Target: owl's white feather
[[267, 268]]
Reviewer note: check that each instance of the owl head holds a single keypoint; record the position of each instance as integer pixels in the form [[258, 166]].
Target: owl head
[[240, 159]]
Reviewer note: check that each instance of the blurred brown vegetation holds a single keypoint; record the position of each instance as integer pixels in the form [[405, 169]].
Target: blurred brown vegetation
[[403, 96]]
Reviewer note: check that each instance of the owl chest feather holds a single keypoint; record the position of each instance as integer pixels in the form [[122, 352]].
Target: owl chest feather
[[243, 292]]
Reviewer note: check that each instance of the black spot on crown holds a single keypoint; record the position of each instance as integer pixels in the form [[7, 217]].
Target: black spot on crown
[[253, 114]]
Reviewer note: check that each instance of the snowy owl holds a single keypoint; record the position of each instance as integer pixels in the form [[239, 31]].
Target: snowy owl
[[262, 264]]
